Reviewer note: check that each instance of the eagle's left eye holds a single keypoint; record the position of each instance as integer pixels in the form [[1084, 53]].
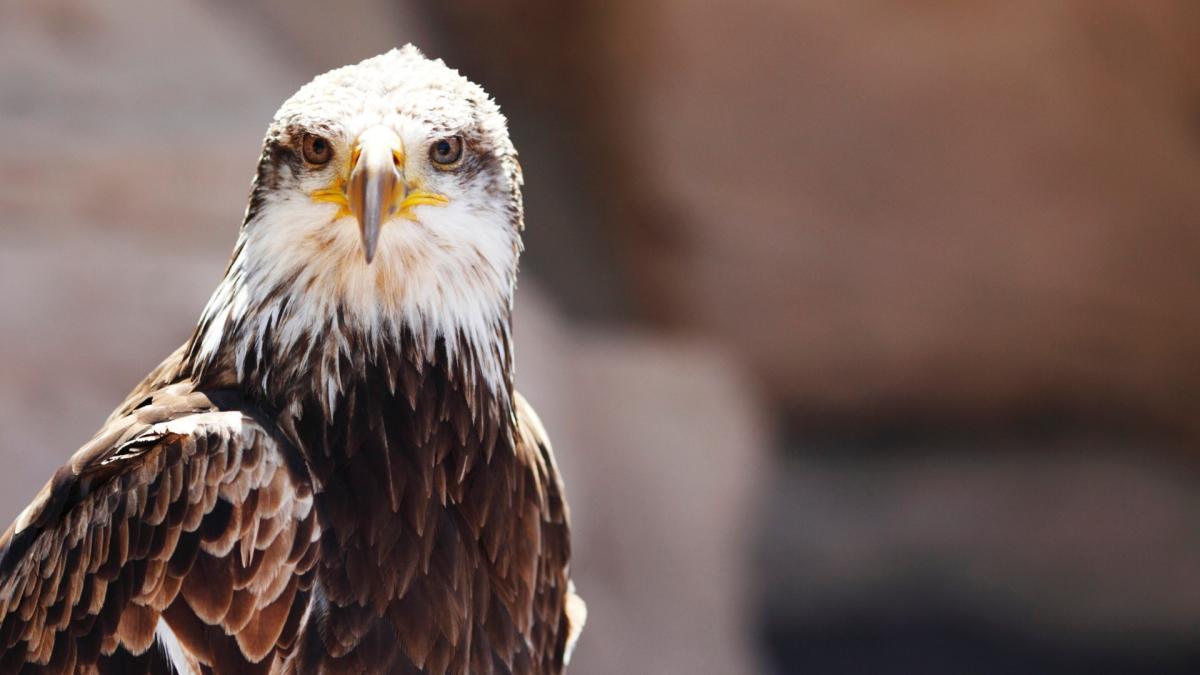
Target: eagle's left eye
[[316, 150], [446, 152]]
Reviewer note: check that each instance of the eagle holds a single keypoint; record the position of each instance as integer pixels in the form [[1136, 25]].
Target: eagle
[[334, 473]]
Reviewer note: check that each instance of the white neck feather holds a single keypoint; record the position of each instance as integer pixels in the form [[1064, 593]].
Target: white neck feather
[[297, 277]]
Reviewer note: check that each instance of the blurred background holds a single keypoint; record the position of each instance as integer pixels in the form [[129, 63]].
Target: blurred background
[[867, 333]]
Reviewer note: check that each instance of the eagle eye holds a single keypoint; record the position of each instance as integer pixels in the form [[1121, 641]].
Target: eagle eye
[[316, 149], [446, 152]]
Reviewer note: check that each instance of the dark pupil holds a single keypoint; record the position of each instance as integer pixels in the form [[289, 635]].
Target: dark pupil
[[318, 146], [444, 148]]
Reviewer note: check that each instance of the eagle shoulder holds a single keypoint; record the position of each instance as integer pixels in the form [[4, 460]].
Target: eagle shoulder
[[181, 517], [558, 607]]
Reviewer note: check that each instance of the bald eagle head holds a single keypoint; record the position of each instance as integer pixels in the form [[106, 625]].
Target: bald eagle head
[[386, 205]]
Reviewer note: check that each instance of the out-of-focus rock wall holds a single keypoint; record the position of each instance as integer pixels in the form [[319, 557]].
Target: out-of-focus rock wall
[[974, 211]]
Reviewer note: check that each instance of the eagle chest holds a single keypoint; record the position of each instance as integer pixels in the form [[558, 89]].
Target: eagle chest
[[429, 525]]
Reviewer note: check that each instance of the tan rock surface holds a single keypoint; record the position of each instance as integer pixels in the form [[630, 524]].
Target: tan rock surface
[[947, 212], [941, 210]]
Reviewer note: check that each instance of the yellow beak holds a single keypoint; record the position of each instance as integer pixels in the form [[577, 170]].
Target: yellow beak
[[376, 190], [373, 182]]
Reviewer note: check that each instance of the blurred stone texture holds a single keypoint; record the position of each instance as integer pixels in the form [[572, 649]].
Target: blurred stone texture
[[936, 210]]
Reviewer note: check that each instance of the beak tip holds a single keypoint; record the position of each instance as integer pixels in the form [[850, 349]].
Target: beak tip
[[373, 184]]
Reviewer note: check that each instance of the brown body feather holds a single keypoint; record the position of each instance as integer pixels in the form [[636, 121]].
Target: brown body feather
[[422, 529], [159, 516]]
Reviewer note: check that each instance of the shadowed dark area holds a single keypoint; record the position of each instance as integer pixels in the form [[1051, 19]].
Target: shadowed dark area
[[945, 643]]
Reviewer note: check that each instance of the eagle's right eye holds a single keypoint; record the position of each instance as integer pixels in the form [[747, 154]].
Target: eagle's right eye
[[316, 150], [446, 152]]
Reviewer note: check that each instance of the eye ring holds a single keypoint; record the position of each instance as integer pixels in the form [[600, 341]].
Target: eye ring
[[446, 153], [316, 150]]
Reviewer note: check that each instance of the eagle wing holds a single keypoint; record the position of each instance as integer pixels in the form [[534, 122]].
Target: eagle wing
[[560, 612], [182, 520]]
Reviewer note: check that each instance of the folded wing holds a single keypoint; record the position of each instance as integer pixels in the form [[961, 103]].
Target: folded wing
[[559, 612], [182, 533]]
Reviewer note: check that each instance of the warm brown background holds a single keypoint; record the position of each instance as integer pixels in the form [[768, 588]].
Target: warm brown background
[[868, 333]]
